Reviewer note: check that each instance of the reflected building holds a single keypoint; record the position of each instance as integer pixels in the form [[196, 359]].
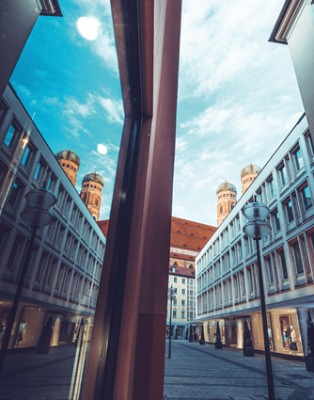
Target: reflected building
[[67, 256], [248, 174], [70, 163], [227, 275], [92, 186]]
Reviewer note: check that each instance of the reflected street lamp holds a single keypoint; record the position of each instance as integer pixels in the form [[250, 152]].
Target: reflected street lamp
[[256, 228], [36, 215], [171, 298]]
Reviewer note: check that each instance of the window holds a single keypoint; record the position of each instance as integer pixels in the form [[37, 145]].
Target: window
[[240, 251], [183, 291], [310, 146], [3, 110], [306, 196], [270, 188], [298, 258], [51, 184], [251, 279], [298, 159], [3, 171], [183, 314], [175, 279], [246, 246], [183, 281], [15, 192], [38, 171], [289, 211], [183, 302], [283, 264], [26, 156], [174, 313], [11, 135], [270, 272], [282, 174], [276, 220]]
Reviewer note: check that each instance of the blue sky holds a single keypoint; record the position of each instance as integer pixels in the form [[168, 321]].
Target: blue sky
[[238, 96]]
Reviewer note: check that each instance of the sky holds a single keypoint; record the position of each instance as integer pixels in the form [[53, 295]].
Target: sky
[[238, 96]]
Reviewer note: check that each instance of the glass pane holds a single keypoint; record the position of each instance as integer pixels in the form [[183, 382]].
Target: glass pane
[[65, 95]]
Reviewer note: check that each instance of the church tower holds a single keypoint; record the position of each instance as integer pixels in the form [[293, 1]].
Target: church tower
[[248, 174], [69, 162], [226, 200], [91, 193]]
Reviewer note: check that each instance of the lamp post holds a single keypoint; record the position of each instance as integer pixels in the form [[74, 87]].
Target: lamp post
[[256, 228], [171, 298], [36, 215]]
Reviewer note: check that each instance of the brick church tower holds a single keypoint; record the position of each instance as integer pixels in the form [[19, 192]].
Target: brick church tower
[[248, 174], [226, 199], [92, 186], [69, 162]]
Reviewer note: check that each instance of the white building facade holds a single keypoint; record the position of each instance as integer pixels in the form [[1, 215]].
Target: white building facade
[[182, 281], [227, 275]]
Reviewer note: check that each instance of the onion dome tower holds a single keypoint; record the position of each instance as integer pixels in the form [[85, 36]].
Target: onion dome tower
[[91, 193], [69, 162], [226, 200], [248, 174]]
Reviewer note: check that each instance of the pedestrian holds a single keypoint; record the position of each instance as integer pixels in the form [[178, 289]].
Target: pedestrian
[[21, 333]]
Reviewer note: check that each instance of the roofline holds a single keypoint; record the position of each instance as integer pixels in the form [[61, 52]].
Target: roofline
[[50, 8], [286, 19]]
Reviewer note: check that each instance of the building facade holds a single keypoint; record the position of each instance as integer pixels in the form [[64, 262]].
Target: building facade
[[295, 28], [227, 275], [186, 241], [67, 256]]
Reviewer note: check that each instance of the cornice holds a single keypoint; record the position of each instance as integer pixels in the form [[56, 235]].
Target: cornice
[[290, 12]]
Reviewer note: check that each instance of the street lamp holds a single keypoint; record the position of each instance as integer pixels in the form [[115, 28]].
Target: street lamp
[[256, 228], [36, 215], [171, 298]]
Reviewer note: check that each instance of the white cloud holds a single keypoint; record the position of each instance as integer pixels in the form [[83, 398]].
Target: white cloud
[[113, 108], [104, 45], [238, 99], [75, 112]]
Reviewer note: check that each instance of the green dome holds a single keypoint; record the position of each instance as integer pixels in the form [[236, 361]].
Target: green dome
[[93, 177], [68, 155], [226, 186]]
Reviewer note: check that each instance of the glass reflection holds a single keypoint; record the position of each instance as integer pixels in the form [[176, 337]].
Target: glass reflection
[[60, 127]]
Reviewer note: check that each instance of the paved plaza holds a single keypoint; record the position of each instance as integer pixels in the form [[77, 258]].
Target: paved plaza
[[193, 372], [204, 373]]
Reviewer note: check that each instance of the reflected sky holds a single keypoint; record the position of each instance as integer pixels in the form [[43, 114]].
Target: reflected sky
[[72, 85]]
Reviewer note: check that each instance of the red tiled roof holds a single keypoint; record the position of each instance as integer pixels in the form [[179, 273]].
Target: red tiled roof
[[182, 271], [190, 235], [104, 225], [185, 234]]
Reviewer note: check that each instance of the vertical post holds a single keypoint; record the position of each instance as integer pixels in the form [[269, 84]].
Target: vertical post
[[269, 370], [170, 330], [12, 315]]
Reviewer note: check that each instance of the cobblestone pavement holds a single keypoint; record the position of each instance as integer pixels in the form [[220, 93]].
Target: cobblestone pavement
[[205, 373], [31, 376], [194, 372]]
